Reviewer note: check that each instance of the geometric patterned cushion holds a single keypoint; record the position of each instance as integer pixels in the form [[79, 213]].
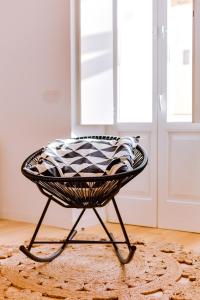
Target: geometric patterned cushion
[[85, 157]]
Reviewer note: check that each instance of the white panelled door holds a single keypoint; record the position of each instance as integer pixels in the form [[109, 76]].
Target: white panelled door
[[136, 105], [137, 201], [178, 124], [167, 193], [179, 177], [149, 57]]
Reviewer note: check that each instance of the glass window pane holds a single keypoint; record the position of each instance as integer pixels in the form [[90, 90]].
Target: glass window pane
[[179, 66], [134, 61], [96, 66]]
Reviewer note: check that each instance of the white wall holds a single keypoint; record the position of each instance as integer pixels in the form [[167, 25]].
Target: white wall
[[34, 96]]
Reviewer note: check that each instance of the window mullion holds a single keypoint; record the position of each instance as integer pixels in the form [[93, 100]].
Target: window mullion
[[115, 62], [162, 57], [196, 62]]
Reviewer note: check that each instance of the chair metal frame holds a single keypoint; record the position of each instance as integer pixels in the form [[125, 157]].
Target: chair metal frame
[[83, 193]]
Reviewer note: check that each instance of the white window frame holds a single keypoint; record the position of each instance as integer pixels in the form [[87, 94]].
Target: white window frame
[[159, 67], [76, 128]]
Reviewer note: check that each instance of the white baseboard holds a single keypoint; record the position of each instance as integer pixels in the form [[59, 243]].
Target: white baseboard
[[56, 216]]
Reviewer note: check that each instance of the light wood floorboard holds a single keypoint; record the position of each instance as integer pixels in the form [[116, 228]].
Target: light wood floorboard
[[15, 233]]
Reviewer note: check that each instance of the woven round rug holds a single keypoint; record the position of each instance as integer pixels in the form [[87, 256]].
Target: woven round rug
[[93, 272]]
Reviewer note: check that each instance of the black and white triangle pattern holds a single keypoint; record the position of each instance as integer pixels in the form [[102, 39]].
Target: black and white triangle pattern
[[85, 157]]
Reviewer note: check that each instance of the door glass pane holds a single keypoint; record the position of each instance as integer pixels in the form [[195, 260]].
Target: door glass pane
[[179, 66], [96, 61], [134, 20]]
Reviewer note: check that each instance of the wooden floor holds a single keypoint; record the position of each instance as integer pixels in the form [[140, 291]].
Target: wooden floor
[[15, 233]]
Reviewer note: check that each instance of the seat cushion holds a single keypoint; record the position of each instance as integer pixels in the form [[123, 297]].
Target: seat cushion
[[85, 157]]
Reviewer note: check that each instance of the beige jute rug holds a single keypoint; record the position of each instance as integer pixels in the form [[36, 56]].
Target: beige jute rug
[[93, 272]]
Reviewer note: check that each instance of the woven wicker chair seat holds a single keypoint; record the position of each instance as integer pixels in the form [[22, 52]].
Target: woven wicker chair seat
[[84, 191]]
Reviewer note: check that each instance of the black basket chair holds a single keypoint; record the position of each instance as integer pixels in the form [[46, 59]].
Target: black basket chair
[[83, 193]]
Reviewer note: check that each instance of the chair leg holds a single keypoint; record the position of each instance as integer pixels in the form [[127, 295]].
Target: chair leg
[[70, 236], [72, 233], [131, 248], [43, 259]]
